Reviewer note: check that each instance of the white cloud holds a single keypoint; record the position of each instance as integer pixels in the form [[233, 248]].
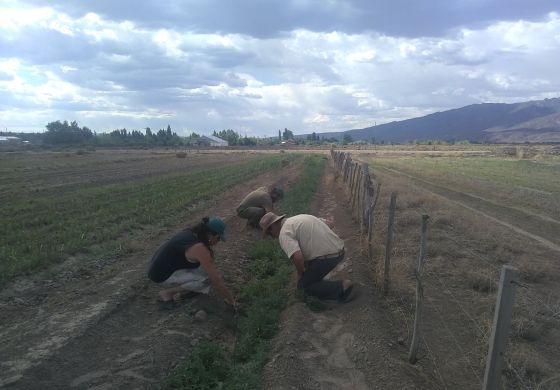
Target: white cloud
[[125, 73]]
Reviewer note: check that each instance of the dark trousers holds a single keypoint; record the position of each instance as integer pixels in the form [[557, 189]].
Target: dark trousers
[[312, 281], [252, 214]]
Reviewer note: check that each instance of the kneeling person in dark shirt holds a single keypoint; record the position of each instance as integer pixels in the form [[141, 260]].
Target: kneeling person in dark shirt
[[187, 261]]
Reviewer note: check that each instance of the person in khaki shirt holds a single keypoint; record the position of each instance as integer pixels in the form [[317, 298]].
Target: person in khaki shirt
[[257, 203], [314, 249]]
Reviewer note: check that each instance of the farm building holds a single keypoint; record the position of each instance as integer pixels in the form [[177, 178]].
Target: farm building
[[9, 139], [289, 142], [210, 140]]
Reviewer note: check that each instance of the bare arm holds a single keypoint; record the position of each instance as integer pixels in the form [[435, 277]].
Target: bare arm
[[298, 260], [203, 256]]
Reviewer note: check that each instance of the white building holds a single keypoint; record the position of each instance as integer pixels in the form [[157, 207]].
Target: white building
[[215, 141], [9, 139]]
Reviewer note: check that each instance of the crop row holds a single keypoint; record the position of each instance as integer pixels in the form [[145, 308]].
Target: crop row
[[38, 231]]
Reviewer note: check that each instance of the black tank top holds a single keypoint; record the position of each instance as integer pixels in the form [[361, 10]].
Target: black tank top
[[171, 256]]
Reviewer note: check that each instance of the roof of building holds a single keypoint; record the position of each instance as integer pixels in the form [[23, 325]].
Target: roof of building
[[215, 139]]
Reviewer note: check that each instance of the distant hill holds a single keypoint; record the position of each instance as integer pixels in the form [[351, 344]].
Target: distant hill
[[532, 121]]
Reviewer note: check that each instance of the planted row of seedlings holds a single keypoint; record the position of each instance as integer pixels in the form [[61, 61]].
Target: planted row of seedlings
[[263, 298], [42, 230]]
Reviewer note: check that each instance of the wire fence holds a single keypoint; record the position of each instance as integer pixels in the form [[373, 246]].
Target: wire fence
[[456, 328]]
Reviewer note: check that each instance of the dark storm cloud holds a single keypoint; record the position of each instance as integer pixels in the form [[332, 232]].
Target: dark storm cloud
[[270, 18]]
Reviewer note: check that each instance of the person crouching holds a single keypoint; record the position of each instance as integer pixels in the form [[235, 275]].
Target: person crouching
[[186, 260], [314, 249]]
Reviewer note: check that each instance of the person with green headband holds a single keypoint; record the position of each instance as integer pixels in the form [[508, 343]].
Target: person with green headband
[[186, 262]]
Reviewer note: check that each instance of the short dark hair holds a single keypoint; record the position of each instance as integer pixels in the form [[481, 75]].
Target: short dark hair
[[277, 193]]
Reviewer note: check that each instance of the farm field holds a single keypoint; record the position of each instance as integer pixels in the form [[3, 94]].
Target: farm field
[[77, 310], [61, 204], [485, 211], [76, 242]]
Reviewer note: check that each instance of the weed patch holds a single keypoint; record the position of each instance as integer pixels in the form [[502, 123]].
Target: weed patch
[[207, 368]]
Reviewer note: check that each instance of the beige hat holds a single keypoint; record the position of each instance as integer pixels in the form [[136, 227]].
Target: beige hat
[[268, 219]]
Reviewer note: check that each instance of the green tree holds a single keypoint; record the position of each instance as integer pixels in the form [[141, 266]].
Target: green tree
[[287, 134], [65, 133]]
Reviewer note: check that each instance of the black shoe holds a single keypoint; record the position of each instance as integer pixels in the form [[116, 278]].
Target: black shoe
[[168, 305], [348, 293]]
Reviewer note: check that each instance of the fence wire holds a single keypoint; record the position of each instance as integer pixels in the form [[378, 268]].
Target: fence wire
[[351, 173]]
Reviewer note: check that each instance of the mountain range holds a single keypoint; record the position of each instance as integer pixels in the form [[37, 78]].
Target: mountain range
[[531, 121]]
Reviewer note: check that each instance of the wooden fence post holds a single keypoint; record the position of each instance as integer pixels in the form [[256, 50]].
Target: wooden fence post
[[352, 174], [357, 188], [347, 168], [419, 293], [371, 219], [389, 243], [356, 185], [363, 199], [366, 193], [353, 179], [500, 330]]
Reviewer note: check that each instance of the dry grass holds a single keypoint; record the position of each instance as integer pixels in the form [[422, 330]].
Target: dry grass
[[481, 282], [462, 271], [527, 368]]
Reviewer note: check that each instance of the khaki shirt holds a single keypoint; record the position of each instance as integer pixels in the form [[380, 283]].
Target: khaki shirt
[[310, 235], [258, 198]]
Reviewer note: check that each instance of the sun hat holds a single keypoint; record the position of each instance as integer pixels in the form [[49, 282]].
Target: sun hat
[[268, 219], [218, 226]]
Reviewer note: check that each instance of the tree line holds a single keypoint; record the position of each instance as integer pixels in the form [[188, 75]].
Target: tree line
[[70, 133], [65, 133]]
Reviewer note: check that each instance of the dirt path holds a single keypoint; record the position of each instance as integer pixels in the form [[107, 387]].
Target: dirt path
[[352, 346], [96, 325], [542, 229]]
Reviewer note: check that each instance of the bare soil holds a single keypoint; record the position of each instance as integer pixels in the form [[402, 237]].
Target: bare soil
[[97, 325]]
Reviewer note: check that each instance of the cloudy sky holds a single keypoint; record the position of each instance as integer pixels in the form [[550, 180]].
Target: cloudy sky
[[259, 66]]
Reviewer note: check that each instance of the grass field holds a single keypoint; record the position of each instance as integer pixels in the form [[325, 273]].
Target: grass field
[[484, 212], [60, 204], [532, 185]]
